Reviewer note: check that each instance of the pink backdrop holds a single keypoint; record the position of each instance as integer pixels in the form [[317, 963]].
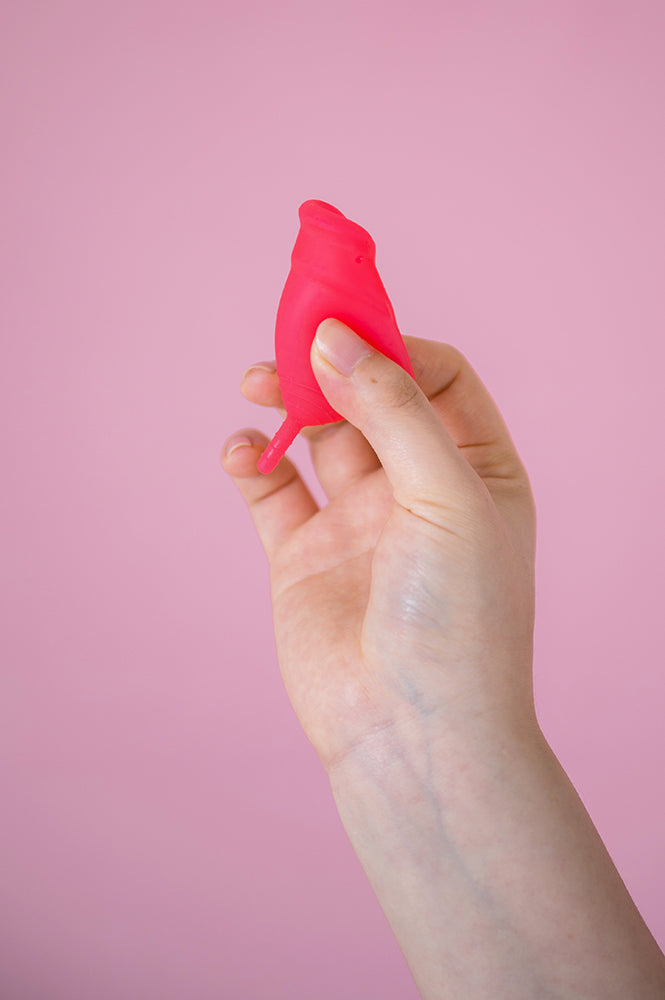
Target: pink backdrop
[[167, 832]]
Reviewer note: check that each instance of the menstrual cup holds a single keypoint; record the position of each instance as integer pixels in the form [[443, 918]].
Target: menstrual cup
[[333, 274]]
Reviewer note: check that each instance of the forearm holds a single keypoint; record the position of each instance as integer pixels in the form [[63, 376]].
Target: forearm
[[490, 872]]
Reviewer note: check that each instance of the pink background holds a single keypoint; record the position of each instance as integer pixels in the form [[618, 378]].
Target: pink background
[[167, 831]]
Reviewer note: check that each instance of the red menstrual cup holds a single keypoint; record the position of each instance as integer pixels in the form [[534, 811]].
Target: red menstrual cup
[[333, 274]]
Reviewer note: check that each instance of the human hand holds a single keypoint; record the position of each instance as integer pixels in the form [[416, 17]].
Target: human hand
[[410, 595], [403, 615]]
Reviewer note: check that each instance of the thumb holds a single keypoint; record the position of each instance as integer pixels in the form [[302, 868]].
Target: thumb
[[426, 471]]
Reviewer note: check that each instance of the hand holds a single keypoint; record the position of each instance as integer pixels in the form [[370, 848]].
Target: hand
[[410, 595], [404, 614]]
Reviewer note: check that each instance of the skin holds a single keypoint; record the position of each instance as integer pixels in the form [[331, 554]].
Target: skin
[[403, 615]]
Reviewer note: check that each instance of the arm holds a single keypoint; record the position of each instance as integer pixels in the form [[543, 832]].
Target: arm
[[404, 614], [489, 870]]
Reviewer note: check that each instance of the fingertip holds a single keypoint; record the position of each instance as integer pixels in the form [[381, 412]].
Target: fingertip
[[240, 454], [259, 369], [340, 346], [280, 501], [261, 386]]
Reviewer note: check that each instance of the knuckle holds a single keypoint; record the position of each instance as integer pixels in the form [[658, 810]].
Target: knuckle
[[456, 355], [404, 394], [457, 365]]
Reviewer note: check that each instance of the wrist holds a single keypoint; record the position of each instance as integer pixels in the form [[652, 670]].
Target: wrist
[[418, 811], [488, 868], [421, 744]]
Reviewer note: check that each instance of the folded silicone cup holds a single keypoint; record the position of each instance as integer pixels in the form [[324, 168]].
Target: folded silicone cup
[[333, 274]]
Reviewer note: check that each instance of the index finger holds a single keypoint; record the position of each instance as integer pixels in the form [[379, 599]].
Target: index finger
[[466, 407]]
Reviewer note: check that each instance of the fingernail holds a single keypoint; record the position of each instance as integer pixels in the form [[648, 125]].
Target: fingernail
[[340, 346], [238, 441], [262, 366]]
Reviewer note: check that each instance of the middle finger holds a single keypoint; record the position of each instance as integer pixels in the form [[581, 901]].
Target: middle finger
[[340, 452]]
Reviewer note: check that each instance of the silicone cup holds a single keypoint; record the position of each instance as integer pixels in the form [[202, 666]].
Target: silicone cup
[[333, 274]]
